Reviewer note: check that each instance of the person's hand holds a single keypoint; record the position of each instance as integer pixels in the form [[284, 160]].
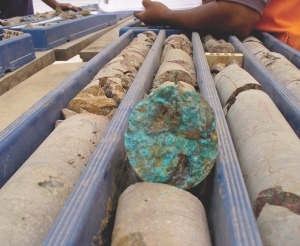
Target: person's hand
[[68, 6], [154, 13]]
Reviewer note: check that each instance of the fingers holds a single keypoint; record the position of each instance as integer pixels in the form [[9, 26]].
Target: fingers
[[70, 6], [146, 3], [77, 8], [138, 15], [74, 8]]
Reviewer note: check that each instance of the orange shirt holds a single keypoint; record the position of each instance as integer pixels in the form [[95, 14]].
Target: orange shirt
[[282, 19]]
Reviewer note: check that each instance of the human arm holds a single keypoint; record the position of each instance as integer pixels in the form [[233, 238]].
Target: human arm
[[63, 6], [221, 16]]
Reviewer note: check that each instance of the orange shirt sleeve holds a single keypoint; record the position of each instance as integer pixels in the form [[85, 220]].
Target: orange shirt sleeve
[[282, 19]]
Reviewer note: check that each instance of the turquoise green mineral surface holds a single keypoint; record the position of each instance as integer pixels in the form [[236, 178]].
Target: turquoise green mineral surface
[[171, 137]]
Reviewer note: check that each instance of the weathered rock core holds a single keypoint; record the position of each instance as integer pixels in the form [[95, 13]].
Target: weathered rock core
[[285, 71], [160, 215], [34, 196]]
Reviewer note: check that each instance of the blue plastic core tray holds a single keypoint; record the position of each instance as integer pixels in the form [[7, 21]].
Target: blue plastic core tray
[[107, 174], [26, 18], [51, 36], [15, 52]]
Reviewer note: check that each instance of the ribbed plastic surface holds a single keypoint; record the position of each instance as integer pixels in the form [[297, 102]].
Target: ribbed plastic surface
[[15, 52], [21, 138], [286, 102], [230, 217]]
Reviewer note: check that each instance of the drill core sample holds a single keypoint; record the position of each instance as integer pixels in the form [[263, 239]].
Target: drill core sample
[[33, 197], [163, 215], [171, 137]]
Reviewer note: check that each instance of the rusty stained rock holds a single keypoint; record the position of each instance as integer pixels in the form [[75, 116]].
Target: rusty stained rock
[[96, 105], [91, 90], [177, 65], [122, 64], [115, 78], [113, 89], [276, 196], [173, 72], [112, 81], [109, 72], [118, 97], [110, 85], [217, 68], [93, 100], [186, 48], [231, 81], [217, 46], [177, 42], [111, 114], [180, 57], [134, 59], [139, 48]]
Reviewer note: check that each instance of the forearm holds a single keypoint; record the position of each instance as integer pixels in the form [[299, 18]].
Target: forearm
[[221, 16], [63, 6], [51, 3]]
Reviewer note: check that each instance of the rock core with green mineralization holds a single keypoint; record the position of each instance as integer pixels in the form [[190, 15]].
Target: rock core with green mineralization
[[171, 137]]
